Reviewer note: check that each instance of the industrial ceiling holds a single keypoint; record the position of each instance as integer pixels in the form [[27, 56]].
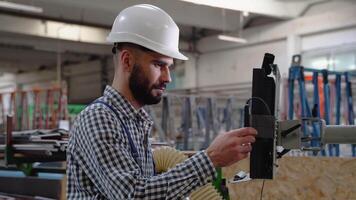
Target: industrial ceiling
[[77, 29]]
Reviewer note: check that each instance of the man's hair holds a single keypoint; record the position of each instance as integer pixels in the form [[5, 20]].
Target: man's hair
[[121, 45]]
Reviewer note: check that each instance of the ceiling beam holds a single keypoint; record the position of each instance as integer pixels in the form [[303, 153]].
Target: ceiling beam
[[95, 12], [273, 8], [35, 43], [52, 29], [15, 67], [336, 20], [54, 36]]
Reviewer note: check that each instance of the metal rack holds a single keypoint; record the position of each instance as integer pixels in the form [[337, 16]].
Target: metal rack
[[296, 73], [24, 148]]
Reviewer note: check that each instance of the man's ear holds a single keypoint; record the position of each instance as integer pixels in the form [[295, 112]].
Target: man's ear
[[127, 60]]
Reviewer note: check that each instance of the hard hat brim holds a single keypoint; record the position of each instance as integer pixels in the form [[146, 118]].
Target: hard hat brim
[[145, 42]]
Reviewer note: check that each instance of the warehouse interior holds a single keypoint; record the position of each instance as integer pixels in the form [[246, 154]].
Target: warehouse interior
[[55, 61]]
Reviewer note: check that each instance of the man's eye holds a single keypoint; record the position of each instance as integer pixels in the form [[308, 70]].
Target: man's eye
[[158, 65]]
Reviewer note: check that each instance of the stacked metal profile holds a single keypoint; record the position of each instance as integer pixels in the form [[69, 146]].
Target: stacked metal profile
[[46, 142], [32, 146]]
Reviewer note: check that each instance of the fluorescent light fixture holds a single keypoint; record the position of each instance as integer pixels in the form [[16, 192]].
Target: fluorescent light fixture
[[20, 7], [232, 39], [213, 3], [245, 13], [274, 8]]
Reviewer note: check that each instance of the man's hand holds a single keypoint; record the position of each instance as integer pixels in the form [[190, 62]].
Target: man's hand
[[230, 147]]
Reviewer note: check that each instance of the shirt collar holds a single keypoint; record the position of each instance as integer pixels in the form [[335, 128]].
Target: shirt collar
[[124, 106]]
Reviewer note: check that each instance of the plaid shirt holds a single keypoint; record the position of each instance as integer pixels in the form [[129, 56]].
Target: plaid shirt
[[100, 164]]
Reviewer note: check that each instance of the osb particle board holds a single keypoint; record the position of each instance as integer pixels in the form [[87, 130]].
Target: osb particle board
[[299, 178]]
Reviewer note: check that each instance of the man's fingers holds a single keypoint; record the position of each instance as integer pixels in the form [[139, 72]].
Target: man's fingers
[[231, 146], [242, 156], [246, 139], [244, 132], [244, 148]]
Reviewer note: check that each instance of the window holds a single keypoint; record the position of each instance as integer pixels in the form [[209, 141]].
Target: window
[[331, 60]]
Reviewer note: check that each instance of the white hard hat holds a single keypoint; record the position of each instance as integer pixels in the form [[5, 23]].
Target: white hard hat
[[147, 26]]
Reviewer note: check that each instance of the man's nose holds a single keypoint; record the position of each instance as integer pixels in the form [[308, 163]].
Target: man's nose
[[166, 75]]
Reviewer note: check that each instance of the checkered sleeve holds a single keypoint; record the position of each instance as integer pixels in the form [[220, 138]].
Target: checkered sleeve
[[106, 159]]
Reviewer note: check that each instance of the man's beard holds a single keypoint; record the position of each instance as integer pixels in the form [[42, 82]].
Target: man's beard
[[141, 88]]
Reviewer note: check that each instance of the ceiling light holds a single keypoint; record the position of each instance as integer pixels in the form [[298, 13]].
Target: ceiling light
[[274, 8], [232, 39], [20, 7], [245, 13]]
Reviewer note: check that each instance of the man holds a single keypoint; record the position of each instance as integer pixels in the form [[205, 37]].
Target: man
[[109, 155]]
